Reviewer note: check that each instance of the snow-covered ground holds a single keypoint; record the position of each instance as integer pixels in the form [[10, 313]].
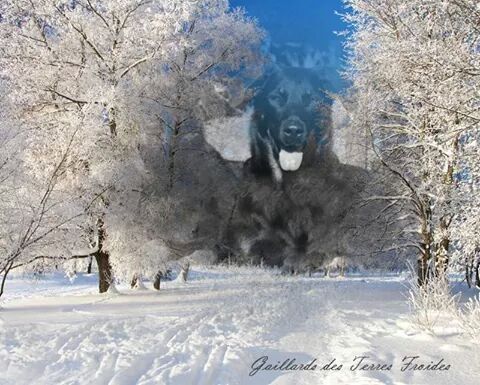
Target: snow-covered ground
[[211, 330]]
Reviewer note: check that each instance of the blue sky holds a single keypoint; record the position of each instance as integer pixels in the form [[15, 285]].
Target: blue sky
[[307, 22]]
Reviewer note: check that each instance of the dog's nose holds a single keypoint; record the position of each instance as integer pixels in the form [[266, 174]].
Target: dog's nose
[[294, 127], [294, 131]]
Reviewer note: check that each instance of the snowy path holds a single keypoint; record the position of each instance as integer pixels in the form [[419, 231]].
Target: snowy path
[[211, 330]]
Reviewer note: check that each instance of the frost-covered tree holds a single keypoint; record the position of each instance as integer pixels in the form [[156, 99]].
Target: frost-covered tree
[[414, 68], [84, 74], [37, 216], [466, 224], [72, 65]]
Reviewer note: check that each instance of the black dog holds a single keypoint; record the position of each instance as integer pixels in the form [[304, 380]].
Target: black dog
[[294, 207]]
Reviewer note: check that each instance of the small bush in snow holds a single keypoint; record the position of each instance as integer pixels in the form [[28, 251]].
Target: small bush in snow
[[469, 317], [430, 302]]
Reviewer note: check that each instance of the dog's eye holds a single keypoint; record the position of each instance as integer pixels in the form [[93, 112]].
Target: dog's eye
[[279, 98]]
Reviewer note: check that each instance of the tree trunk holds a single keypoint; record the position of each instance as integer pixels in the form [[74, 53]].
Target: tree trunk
[[426, 246], [156, 281], [104, 271], [184, 272], [103, 261], [89, 268], [2, 283], [477, 275], [442, 249], [112, 121], [422, 268], [171, 155], [468, 276], [134, 281], [441, 262], [6, 270], [441, 257]]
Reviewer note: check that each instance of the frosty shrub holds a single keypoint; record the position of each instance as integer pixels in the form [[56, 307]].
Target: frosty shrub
[[431, 302], [469, 317]]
